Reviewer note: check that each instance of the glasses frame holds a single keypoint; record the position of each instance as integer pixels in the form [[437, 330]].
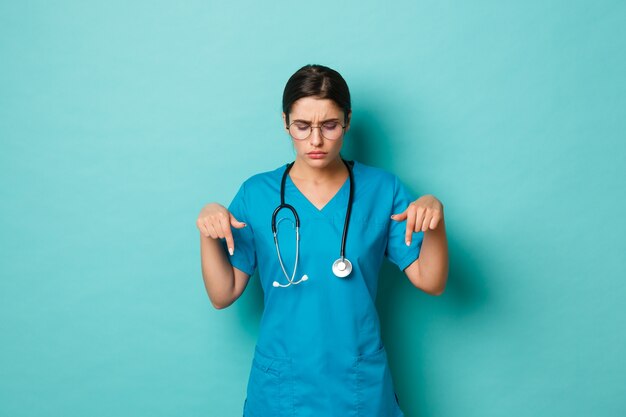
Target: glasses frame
[[311, 127]]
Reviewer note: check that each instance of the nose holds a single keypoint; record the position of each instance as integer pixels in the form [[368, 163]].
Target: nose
[[316, 138]]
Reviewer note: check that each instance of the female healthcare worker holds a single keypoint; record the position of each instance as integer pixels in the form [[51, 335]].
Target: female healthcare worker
[[317, 230]]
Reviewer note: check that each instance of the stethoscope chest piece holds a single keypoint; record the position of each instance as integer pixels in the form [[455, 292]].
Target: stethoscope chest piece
[[342, 267]]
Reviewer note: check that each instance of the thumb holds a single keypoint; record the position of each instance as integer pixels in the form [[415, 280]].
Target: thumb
[[399, 217], [236, 223]]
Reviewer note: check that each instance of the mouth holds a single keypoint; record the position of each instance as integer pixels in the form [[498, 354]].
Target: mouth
[[316, 154]]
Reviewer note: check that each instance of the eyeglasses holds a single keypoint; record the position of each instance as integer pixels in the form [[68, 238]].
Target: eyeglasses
[[331, 130]]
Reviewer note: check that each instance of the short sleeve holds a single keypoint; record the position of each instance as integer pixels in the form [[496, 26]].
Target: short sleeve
[[397, 251], [244, 257]]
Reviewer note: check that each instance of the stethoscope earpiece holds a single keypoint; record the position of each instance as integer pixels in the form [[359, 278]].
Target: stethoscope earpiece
[[278, 284]]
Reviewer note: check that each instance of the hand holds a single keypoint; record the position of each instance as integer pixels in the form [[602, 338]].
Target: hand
[[423, 214], [215, 221]]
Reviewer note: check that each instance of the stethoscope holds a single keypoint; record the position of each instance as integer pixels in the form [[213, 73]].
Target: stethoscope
[[342, 267]]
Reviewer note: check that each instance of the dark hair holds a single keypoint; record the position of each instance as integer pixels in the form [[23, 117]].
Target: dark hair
[[318, 81]]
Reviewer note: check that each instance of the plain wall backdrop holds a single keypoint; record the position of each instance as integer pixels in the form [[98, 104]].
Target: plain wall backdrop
[[120, 120]]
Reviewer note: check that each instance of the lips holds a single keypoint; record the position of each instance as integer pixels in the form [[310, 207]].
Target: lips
[[317, 155]]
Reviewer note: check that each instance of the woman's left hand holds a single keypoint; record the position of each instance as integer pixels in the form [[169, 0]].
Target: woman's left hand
[[422, 215]]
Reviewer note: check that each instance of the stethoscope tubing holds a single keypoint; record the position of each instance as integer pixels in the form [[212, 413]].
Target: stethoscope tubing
[[348, 211], [345, 263]]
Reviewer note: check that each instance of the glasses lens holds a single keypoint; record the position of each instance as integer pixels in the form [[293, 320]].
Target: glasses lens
[[332, 130], [299, 130]]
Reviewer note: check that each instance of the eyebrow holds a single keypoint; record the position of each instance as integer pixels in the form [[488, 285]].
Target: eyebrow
[[334, 119]]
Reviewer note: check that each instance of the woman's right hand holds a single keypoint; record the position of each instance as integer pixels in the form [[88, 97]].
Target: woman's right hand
[[215, 221]]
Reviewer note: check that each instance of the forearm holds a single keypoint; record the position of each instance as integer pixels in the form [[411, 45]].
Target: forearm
[[433, 260], [217, 272]]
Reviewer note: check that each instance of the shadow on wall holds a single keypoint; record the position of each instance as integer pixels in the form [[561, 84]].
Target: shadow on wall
[[364, 141], [250, 308], [407, 314], [405, 311]]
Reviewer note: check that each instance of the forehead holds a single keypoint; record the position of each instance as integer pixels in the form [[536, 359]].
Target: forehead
[[309, 108]]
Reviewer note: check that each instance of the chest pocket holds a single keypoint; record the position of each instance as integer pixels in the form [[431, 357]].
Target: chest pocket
[[270, 387]]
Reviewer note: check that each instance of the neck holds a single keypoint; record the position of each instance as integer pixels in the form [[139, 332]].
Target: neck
[[304, 171]]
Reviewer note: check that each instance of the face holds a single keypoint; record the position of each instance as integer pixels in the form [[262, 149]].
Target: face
[[317, 151]]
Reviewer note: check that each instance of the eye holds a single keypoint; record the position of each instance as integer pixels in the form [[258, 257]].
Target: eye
[[302, 126], [330, 125]]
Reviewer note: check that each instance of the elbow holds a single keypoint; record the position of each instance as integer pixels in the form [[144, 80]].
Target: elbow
[[431, 287], [440, 287], [431, 290], [431, 283], [220, 304], [220, 297], [435, 288], [436, 284], [437, 291]]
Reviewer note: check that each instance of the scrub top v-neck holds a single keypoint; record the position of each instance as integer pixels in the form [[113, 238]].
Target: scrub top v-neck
[[319, 351]]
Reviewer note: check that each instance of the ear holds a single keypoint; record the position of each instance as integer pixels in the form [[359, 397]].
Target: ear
[[348, 122], [285, 121]]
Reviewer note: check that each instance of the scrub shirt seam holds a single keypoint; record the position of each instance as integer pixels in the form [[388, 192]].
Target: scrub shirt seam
[[408, 260], [237, 263]]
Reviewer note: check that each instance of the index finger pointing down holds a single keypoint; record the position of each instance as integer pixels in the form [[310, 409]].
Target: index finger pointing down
[[228, 235], [410, 224]]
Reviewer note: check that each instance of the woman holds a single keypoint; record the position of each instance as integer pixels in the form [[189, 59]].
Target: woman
[[319, 351]]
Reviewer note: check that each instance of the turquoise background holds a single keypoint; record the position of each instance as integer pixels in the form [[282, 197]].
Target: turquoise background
[[120, 120]]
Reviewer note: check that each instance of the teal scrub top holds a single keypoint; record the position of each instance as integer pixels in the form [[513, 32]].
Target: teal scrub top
[[319, 350]]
